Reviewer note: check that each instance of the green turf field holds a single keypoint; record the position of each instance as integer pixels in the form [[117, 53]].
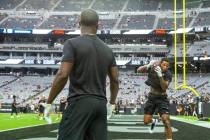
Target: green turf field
[[120, 127], [32, 119], [190, 117], [23, 121]]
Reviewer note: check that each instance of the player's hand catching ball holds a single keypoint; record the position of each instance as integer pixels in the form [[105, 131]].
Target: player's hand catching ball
[[158, 71]]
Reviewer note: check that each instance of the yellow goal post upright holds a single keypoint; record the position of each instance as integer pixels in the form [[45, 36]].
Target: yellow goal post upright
[[184, 84]]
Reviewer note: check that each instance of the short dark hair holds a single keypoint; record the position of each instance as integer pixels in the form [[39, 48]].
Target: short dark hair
[[164, 59], [89, 17]]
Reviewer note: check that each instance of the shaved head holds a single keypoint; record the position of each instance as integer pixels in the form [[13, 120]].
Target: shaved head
[[89, 17]]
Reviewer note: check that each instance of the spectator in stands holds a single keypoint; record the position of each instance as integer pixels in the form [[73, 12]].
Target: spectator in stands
[[32, 108], [42, 101], [62, 107], [14, 107], [194, 113], [187, 109], [21, 106], [179, 109]]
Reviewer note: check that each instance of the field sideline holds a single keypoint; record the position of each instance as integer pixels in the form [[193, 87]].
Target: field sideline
[[24, 120], [190, 117], [120, 127]]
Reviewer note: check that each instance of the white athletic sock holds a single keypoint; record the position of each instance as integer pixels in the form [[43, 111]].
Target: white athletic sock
[[154, 120], [168, 139]]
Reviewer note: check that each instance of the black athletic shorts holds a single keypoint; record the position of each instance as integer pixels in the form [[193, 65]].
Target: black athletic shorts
[[61, 109], [41, 109], [14, 110], [159, 103], [84, 119]]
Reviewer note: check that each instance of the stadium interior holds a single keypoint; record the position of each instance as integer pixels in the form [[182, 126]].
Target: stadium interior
[[32, 33]]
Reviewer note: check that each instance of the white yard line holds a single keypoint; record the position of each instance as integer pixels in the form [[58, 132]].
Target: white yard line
[[24, 127]]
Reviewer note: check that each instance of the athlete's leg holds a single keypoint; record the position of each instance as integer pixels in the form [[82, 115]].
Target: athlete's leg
[[147, 119], [163, 107], [149, 110], [167, 125]]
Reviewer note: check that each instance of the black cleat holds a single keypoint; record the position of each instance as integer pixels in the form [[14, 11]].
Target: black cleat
[[154, 122]]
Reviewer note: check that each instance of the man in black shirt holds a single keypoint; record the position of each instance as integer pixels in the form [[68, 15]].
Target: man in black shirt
[[187, 109], [14, 108], [159, 78], [41, 103], [86, 61], [62, 107]]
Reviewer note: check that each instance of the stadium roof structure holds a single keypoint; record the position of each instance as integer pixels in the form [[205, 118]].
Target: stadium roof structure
[[123, 62], [119, 62], [181, 31], [109, 31], [12, 61], [139, 32]]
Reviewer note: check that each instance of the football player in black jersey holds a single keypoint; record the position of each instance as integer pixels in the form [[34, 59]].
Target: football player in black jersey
[[159, 78], [62, 107], [41, 104], [14, 107]]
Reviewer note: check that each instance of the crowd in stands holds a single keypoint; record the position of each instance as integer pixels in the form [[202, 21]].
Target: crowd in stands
[[168, 5], [9, 4], [101, 5], [108, 5], [133, 92], [24, 87], [6, 79], [168, 23], [137, 22], [61, 22], [193, 4], [35, 5], [202, 19], [198, 48], [206, 3], [72, 5], [21, 23], [143, 5], [128, 21], [107, 23], [2, 16]]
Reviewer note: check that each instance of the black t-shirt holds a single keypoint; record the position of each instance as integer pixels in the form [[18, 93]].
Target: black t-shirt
[[92, 59], [154, 81], [41, 102], [62, 103], [14, 105], [187, 107]]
